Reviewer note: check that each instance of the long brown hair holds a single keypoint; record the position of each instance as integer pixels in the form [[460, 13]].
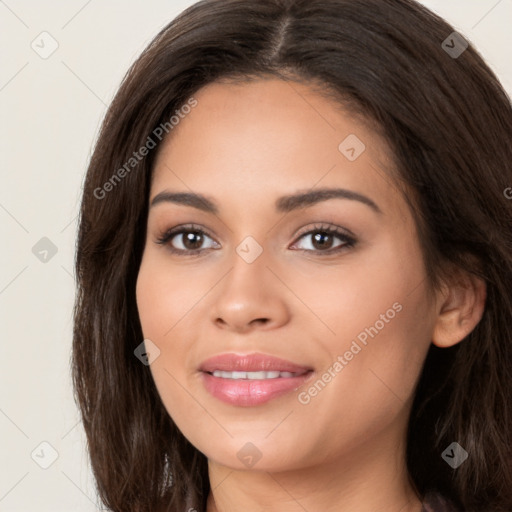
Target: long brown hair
[[448, 122]]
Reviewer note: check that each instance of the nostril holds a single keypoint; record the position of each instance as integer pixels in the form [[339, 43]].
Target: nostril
[[260, 320]]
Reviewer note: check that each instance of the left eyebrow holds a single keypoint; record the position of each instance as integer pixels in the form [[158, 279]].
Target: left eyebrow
[[283, 204], [306, 199]]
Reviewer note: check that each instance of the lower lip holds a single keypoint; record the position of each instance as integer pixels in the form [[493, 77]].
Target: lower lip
[[247, 392]]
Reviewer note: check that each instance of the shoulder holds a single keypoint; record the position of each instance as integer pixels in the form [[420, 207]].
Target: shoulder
[[435, 502]]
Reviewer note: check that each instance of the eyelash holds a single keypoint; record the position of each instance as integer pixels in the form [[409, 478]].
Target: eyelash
[[165, 237]]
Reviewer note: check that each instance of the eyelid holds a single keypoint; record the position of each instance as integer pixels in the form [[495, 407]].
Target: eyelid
[[326, 226], [345, 235], [168, 234]]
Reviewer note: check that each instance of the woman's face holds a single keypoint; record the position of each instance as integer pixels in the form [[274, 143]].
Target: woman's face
[[350, 308]]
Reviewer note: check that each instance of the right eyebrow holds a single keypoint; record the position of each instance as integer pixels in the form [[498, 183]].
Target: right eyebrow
[[188, 199]]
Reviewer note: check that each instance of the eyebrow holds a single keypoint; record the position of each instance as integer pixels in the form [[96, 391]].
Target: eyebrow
[[283, 204]]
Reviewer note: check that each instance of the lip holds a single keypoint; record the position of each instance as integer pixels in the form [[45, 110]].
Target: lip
[[251, 392], [255, 362]]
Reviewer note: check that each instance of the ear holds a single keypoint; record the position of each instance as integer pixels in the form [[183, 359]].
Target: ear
[[461, 306]]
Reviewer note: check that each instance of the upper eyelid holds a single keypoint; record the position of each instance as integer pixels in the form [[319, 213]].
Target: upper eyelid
[[326, 226], [319, 226], [336, 231]]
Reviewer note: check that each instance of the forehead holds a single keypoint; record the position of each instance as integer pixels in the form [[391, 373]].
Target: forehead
[[270, 137]]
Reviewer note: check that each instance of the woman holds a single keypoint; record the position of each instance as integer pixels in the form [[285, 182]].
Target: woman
[[334, 330]]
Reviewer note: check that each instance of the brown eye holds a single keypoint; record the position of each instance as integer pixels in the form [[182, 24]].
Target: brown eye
[[323, 240], [183, 240], [192, 240]]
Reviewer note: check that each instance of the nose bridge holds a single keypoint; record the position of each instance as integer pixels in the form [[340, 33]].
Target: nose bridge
[[251, 250], [249, 267], [247, 292]]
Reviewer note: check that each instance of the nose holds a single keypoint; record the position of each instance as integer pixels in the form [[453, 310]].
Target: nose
[[249, 297]]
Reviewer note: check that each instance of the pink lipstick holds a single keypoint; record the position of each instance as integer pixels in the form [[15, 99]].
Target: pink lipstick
[[251, 379]]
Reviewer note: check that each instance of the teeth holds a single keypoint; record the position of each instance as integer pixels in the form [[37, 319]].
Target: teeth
[[253, 375]]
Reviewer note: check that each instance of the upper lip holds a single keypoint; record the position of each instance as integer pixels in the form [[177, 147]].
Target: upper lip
[[250, 363]]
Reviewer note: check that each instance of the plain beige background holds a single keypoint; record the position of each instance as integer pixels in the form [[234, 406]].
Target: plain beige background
[[51, 109]]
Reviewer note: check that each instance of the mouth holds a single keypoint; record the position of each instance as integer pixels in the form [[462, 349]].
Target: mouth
[[255, 375], [251, 379]]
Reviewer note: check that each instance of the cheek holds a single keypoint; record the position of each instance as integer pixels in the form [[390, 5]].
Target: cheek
[[166, 295], [378, 314], [382, 360], [163, 300], [169, 302], [355, 293], [161, 304]]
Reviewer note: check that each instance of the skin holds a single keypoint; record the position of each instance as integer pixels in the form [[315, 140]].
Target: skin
[[243, 146]]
